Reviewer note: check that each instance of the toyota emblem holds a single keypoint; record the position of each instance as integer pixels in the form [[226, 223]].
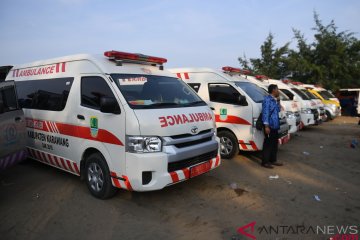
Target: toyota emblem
[[194, 130]]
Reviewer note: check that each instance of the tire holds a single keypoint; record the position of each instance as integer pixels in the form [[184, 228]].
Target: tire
[[97, 177], [229, 146], [328, 116]]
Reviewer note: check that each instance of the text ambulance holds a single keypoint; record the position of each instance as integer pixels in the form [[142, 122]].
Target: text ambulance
[[236, 103], [118, 121]]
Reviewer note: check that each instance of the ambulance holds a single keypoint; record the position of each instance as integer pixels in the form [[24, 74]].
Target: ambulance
[[306, 111], [237, 104], [315, 102], [118, 121], [12, 124], [289, 108], [331, 106]]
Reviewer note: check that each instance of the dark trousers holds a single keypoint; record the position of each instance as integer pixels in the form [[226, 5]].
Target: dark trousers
[[270, 147]]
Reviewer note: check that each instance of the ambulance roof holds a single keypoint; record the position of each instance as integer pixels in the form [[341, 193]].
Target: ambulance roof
[[229, 77], [96, 63]]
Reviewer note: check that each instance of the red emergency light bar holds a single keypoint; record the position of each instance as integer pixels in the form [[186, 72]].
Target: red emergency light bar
[[286, 81], [261, 77], [236, 70], [297, 83], [134, 57]]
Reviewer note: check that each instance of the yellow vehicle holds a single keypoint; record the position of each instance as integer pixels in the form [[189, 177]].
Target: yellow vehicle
[[332, 107]]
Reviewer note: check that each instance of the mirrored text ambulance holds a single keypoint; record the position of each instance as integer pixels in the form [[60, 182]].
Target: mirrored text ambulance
[[237, 104], [119, 121]]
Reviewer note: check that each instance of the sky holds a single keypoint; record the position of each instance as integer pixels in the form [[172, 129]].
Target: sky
[[196, 33]]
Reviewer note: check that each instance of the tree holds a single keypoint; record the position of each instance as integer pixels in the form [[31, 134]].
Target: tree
[[332, 60]]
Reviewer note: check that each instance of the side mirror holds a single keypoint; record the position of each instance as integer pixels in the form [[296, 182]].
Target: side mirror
[[109, 105], [242, 100]]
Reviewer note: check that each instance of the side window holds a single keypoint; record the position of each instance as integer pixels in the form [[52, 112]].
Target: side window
[[8, 100], [223, 93], [92, 89], [48, 94], [195, 86]]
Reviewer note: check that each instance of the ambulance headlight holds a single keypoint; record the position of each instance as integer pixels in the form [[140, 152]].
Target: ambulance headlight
[[290, 114], [306, 110], [140, 144]]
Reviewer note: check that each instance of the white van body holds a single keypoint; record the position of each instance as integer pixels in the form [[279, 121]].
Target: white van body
[[236, 119], [315, 103], [289, 108], [12, 127], [145, 145], [307, 116]]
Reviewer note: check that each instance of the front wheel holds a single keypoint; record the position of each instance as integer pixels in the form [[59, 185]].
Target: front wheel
[[229, 145], [328, 115], [98, 178]]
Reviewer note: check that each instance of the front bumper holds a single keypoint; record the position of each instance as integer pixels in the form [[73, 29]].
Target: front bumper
[[292, 122], [284, 139], [154, 171], [307, 119]]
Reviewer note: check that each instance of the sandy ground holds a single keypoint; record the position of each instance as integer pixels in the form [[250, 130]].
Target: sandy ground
[[40, 202]]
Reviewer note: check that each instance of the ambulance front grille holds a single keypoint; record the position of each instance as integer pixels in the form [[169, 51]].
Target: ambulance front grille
[[186, 144], [189, 135], [174, 166]]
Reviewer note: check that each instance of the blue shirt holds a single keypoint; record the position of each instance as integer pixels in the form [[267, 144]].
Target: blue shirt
[[270, 112]]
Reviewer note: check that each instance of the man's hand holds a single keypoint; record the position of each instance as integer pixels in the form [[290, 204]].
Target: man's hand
[[267, 130]]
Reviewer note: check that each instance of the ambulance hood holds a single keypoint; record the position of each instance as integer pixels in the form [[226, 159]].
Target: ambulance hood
[[291, 106], [175, 121]]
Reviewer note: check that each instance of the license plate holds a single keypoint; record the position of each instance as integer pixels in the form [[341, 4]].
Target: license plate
[[200, 169]]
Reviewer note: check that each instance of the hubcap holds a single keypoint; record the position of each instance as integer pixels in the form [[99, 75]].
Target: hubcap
[[226, 146], [95, 177]]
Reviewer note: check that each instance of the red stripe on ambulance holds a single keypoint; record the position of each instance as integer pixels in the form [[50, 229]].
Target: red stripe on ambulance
[[121, 182], [52, 160], [232, 119], [73, 131], [184, 174]]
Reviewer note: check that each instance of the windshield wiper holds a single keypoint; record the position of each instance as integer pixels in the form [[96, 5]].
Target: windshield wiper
[[163, 104], [193, 103]]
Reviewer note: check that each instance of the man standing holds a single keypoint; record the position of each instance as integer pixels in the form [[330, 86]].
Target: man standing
[[270, 118]]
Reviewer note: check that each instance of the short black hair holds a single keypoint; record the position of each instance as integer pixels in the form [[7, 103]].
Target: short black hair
[[271, 88]]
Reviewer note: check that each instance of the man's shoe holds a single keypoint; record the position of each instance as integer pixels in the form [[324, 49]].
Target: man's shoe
[[277, 164], [267, 165]]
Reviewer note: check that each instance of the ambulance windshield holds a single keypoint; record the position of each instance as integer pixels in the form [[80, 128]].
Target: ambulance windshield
[[148, 91], [256, 93]]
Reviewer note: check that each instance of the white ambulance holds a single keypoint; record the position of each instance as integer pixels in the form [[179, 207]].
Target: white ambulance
[[118, 121], [306, 112], [289, 108], [315, 102], [237, 104]]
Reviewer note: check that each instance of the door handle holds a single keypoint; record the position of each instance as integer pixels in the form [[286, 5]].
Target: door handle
[[212, 108], [81, 117], [17, 119]]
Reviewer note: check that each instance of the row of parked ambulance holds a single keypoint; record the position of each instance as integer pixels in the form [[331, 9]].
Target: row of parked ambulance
[[119, 120]]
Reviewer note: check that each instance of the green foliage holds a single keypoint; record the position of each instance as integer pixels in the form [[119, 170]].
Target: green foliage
[[332, 60]]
